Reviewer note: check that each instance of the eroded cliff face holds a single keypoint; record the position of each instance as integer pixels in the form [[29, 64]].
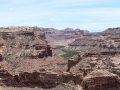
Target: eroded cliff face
[[20, 44], [108, 40], [45, 79], [26, 60], [99, 52], [23, 50], [100, 80]]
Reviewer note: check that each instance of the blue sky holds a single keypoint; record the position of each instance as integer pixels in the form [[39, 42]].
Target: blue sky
[[92, 15]]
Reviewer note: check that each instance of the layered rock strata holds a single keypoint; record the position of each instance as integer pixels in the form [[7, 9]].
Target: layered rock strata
[[26, 60]]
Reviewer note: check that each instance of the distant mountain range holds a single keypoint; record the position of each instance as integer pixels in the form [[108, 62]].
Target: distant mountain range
[[67, 33]]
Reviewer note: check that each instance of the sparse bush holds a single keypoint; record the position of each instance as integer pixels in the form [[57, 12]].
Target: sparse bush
[[69, 53], [60, 47]]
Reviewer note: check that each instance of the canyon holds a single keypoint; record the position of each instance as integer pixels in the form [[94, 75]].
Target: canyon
[[27, 59]]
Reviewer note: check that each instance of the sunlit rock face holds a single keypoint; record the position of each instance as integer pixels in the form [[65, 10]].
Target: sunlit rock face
[[100, 79]]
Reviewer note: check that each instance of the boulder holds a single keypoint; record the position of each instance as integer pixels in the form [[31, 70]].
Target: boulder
[[100, 80], [73, 61]]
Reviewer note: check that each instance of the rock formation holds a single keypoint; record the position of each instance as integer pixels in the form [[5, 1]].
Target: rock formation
[[26, 60], [67, 33], [100, 80], [73, 61], [25, 49], [99, 51]]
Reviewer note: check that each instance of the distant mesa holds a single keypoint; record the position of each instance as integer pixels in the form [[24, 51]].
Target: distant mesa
[[67, 33]]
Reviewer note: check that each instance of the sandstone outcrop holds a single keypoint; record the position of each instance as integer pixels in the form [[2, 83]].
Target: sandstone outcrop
[[43, 78], [100, 80], [25, 49], [73, 61]]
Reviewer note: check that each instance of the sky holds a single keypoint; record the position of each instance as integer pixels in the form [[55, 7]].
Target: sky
[[92, 15]]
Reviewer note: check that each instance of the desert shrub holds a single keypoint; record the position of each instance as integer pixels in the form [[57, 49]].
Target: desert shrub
[[69, 53], [60, 47]]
